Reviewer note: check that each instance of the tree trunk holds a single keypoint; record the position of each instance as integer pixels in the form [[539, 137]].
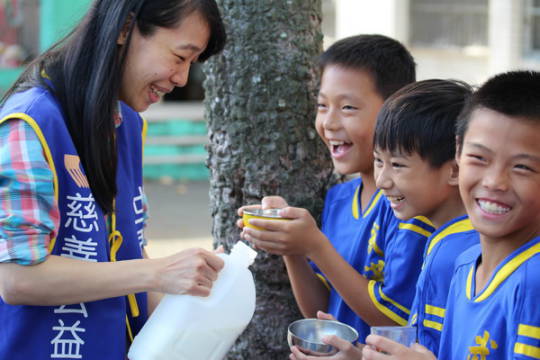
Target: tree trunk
[[260, 106]]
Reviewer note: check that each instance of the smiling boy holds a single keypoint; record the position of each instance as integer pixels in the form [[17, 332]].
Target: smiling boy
[[415, 167], [361, 266], [496, 288], [492, 309]]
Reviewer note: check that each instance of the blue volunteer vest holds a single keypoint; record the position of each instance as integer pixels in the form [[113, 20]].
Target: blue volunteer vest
[[97, 329]]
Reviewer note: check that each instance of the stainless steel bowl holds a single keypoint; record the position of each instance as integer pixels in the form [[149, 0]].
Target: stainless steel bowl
[[307, 334], [269, 213]]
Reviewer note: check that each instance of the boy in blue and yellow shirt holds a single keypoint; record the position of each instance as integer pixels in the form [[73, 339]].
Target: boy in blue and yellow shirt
[[363, 264], [492, 304], [415, 167]]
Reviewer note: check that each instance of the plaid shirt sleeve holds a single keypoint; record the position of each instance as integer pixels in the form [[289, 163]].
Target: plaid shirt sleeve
[[29, 214]]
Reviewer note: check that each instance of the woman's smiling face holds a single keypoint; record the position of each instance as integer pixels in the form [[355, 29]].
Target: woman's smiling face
[[158, 63]]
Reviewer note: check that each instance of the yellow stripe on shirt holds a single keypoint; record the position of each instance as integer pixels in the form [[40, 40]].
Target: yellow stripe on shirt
[[324, 281], [527, 350], [424, 220], [373, 203], [457, 227], [386, 311], [415, 228], [144, 130], [355, 207], [507, 270], [435, 310], [433, 325], [529, 331], [468, 289]]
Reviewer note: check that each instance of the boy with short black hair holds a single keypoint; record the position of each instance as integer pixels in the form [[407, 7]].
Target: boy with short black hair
[[492, 304], [415, 167], [367, 259]]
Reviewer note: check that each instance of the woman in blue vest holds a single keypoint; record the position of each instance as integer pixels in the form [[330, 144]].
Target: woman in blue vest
[[74, 277]]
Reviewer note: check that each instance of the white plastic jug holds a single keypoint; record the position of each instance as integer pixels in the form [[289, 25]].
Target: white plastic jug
[[184, 327]]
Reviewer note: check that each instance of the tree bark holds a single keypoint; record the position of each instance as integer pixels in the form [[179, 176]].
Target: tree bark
[[260, 105]]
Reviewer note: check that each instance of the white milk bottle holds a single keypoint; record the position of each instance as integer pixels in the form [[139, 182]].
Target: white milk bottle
[[184, 327]]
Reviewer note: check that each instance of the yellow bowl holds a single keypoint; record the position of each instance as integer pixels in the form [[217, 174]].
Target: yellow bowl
[[266, 214]]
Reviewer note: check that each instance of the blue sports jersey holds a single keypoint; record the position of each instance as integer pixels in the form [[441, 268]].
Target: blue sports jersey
[[500, 321], [429, 305], [383, 249]]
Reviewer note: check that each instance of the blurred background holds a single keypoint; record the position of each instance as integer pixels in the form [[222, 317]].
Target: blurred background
[[461, 39]]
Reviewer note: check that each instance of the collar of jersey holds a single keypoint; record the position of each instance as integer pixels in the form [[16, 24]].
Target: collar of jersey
[[454, 226], [503, 271], [356, 202]]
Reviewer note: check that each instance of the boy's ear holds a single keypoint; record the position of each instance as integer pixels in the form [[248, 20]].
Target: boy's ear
[[122, 38], [454, 173], [458, 149]]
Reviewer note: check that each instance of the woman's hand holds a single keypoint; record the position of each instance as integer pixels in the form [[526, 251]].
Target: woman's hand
[[391, 350], [192, 272]]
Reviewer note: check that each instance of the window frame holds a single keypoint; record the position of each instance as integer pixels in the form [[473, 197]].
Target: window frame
[[531, 16], [450, 8]]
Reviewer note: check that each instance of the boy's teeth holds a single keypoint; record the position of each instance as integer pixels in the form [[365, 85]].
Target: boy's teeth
[[492, 207], [157, 92], [396, 198], [336, 143]]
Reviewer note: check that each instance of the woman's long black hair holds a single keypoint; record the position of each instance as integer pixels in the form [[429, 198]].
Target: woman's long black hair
[[86, 68]]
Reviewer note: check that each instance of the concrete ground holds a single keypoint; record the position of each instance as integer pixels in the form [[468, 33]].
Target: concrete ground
[[179, 217]]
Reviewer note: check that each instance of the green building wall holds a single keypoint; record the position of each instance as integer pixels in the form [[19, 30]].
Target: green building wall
[[57, 18]]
